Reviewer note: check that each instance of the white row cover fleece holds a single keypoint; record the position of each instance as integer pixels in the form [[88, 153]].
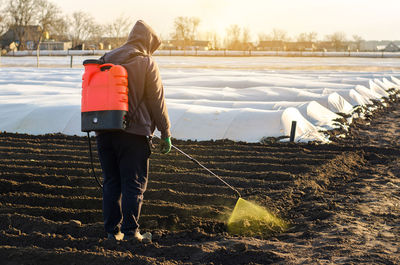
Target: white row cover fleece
[[202, 104]]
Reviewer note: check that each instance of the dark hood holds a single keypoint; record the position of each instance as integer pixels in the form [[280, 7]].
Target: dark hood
[[143, 38]]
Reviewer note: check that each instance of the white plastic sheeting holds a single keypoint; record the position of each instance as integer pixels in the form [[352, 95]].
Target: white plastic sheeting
[[203, 104]]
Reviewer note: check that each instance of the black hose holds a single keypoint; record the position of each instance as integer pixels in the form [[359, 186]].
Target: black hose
[[91, 162]]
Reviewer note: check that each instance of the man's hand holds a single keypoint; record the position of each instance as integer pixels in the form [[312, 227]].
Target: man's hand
[[165, 145]]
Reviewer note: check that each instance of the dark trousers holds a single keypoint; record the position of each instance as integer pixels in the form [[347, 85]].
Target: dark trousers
[[124, 160]]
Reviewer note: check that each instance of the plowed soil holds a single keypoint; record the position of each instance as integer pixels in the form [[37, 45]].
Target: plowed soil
[[342, 201]]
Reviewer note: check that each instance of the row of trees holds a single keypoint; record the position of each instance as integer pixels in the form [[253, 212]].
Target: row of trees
[[78, 27], [81, 27], [236, 37], [186, 31]]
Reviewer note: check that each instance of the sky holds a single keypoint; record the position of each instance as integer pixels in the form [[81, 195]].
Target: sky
[[370, 19]]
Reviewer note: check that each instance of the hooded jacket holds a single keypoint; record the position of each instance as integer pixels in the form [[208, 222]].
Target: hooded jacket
[[147, 108]]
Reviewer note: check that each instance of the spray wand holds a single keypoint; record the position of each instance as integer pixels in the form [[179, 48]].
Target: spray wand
[[198, 163]]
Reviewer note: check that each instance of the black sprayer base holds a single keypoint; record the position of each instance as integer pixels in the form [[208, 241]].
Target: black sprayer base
[[108, 120]]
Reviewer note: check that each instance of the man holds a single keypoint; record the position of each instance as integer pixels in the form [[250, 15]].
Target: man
[[124, 155]]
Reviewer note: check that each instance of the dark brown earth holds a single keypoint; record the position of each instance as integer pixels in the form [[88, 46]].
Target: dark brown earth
[[342, 200]]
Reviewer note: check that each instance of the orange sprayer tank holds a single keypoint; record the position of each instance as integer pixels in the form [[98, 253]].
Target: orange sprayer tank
[[104, 97]]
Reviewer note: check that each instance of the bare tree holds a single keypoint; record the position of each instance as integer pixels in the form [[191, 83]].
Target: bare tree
[[47, 15], [216, 41], [185, 29], [246, 38], [358, 40], [22, 13], [3, 26], [60, 29], [181, 32], [180, 27], [96, 33], [337, 39], [194, 24], [233, 33], [312, 36], [264, 37], [246, 35], [279, 34], [118, 30], [82, 28], [212, 37], [3, 20], [307, 37]]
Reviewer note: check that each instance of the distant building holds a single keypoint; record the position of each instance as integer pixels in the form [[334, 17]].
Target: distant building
[[391, 47], [354, 46], [31, 36], [168, 45], [201, 45], [109, 43], [271, 45], [374, 45], [331, 46], [55, 45], [248, 46], [299, 46]]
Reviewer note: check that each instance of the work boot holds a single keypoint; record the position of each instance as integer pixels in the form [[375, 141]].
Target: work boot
[[145, 238], [116, 236]]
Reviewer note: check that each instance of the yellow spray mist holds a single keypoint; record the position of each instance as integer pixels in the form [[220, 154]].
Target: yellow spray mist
[[249, 219]]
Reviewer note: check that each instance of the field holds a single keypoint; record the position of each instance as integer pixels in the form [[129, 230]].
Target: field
[[342, 201]]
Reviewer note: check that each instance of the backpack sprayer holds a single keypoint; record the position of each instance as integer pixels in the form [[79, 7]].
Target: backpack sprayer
[[104, 97]]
